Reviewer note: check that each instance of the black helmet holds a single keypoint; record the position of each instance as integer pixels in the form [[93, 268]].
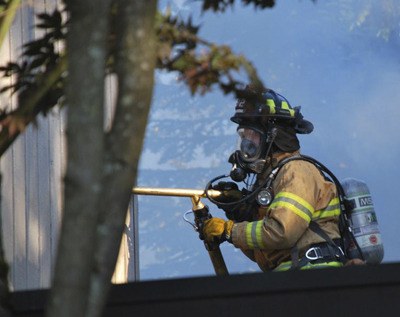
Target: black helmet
[[267, 125], [268, 105]]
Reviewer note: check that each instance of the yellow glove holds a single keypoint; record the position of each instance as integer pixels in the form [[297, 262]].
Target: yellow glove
[[217, 229]]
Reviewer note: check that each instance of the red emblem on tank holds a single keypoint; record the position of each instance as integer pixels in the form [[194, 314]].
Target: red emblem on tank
[[373, 239]]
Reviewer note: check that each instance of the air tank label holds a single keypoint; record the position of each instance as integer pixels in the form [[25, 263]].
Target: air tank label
[[360, 202], [369, 240], [365, 201], [363, 219], [366, 230]]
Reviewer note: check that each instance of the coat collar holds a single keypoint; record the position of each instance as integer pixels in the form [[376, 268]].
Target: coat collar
[[277, 157]]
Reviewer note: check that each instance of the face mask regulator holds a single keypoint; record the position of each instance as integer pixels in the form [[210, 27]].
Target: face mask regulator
[[251, 159]]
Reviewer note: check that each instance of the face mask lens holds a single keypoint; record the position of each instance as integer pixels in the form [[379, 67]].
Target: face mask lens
[[249, 143], [248, 148]]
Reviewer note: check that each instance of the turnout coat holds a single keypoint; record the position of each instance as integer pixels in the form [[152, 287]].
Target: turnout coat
[[301, 194]]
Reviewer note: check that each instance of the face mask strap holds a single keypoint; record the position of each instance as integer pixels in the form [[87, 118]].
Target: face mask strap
[[271, 135]]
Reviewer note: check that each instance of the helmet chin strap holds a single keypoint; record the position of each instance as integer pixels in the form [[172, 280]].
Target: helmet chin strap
[[271, 135]]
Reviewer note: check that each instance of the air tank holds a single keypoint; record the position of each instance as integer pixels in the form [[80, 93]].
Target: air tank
[[364, 222]]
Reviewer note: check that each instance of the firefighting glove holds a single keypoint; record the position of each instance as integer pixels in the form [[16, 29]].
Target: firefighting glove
[[242, 212], [217, 230], [229, 192]]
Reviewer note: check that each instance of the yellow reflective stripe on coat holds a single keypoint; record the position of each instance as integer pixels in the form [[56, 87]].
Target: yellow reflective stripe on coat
[[332, 210], [295, 204], [254, 234], [285, 266]]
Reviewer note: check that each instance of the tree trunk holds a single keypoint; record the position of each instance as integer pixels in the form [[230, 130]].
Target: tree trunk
[[86, 50], [135, 63]]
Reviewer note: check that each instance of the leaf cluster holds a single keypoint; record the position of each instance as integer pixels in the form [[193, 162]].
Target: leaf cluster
[[222, 5], [200, 64], [39, 57]]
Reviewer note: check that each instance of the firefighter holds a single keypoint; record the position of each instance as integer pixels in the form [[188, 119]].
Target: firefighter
[[287, 220]]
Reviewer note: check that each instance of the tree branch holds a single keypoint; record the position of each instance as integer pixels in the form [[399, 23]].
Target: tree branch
[[135, 63], [29, 106], [222, 5], [7, 14]]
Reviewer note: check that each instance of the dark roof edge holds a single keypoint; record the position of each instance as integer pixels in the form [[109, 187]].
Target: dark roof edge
[[362, 279]]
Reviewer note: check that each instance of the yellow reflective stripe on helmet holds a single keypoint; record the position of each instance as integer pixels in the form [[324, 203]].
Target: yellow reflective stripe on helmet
[[254, 235], [285, 106], [332, 210], [271, 105], [294, 203]]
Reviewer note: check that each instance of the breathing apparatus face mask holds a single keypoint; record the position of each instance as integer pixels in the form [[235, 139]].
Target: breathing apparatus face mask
[[250, 143], [253, 148]]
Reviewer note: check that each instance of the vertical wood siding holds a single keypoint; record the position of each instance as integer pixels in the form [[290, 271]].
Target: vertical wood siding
[[32, 171]]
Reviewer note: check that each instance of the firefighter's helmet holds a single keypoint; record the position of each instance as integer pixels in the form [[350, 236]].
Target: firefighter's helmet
[[261, 108]]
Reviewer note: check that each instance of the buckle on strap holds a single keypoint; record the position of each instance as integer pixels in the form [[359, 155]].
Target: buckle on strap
[[314, 253], [341, 254]]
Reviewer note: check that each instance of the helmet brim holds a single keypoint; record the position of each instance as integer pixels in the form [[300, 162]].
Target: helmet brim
[[303, 126]]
